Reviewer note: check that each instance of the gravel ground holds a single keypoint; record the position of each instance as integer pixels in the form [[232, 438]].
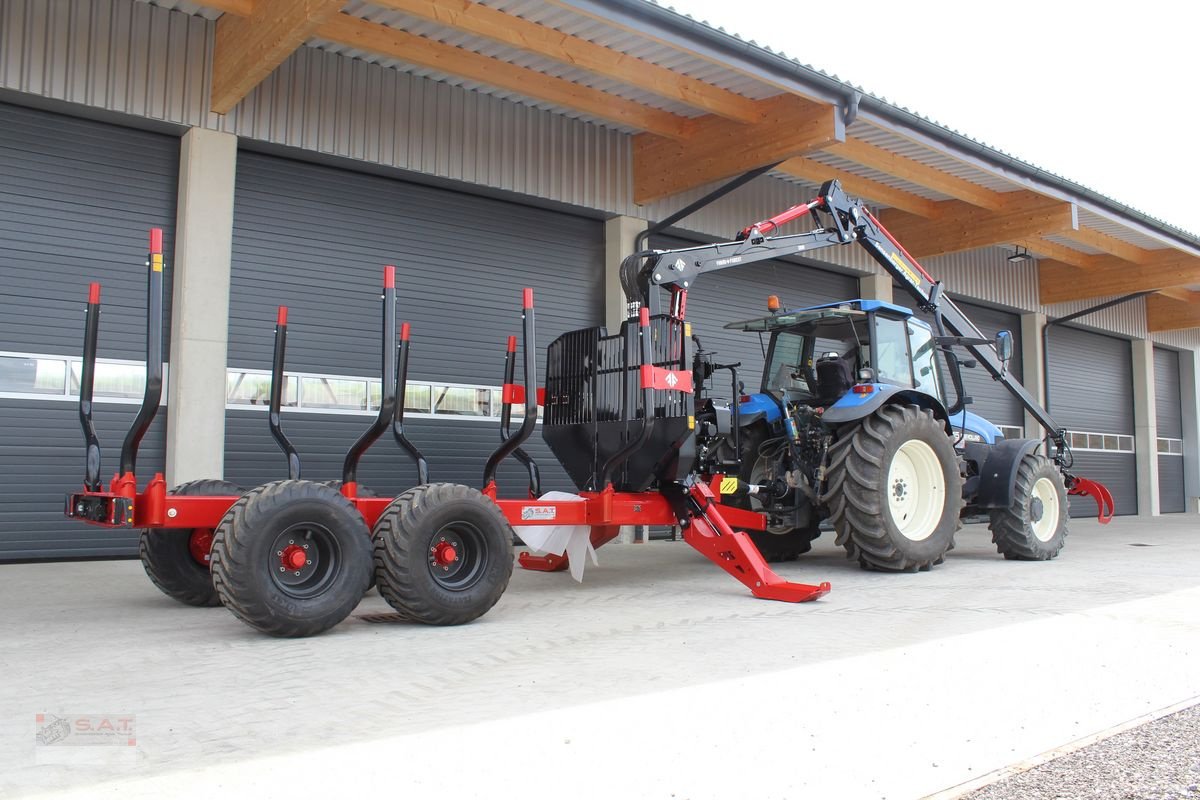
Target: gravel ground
[[1156, 761]]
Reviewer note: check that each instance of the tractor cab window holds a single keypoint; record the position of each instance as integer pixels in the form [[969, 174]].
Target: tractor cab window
[[925, 366], [785, 370], [891, 352]]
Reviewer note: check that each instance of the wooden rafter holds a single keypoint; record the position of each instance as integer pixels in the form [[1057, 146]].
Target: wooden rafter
[[520, 33], [961, 226], [914, 171], [857, 186], [719, 148], [1110, 244], [1060, 283], [395, 43], [1165, 313], [239, 8], [248, 49], [1045, 248]]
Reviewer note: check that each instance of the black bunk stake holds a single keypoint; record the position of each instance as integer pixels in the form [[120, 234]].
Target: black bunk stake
[[529, 345], [87, 376], [636, 443], [387, 389], [278, 384], [508, 397], [154, 357], [398, 419]]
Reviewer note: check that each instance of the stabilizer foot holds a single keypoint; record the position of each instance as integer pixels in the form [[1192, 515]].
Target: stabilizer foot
[[600, 536]]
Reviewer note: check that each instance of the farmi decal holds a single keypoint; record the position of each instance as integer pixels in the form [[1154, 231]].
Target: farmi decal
[[908, 273]]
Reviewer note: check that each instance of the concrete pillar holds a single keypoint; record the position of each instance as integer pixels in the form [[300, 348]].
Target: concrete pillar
[[875, 287], [619, 235], [1033, 362], [1145, 427], [1189, 390], [200, 307]]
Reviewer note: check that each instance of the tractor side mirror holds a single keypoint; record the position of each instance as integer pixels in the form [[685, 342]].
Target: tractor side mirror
[[1004, 346]]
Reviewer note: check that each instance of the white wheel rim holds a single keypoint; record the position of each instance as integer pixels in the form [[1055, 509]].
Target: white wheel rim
[[1045, 526], [916, 490]]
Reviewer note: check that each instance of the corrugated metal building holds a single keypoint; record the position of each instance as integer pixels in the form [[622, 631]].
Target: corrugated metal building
[[512, 143]]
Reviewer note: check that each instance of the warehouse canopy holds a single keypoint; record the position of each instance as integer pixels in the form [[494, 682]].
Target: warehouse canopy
[[704, 106]]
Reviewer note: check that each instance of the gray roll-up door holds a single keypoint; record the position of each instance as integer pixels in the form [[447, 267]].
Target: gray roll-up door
[[1091, 390], [316, 238], [77, 199], [741, 293], [1168, 411], [992, 400]]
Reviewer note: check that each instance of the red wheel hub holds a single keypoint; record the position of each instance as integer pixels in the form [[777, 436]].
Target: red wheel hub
[[444, 554], [200, 545], [294, 557]]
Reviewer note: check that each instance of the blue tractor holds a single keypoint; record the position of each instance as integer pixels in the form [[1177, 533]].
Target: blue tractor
[[860, 417]]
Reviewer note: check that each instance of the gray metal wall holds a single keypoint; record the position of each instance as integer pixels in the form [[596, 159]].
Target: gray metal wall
[[1168, 412], [1091, 389], [316, 238], [738, 294], [76, 201]]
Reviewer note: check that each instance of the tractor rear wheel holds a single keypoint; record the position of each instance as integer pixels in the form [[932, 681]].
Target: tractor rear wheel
[[894, 491], [443, 554], [177, 560], [778, 542], [1034, 526], [292, 558]]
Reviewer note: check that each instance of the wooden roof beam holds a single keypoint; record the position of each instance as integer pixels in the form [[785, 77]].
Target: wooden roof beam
[[720, 149], [248, 49], [1165, 313], [857, 186], [1061, 283], [395, 43], [960, 226], [239, 8], [532, 37], [908, 169]]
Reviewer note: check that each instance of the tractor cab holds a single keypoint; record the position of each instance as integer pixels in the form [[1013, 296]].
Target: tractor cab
[[844, 356]]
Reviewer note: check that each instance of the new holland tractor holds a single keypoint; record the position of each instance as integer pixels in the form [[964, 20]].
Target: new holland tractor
[[860, 418]]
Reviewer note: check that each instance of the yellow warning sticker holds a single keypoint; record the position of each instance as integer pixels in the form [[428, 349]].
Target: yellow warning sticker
[[729, 485], [687, 329], [156, 262], [691, 423]]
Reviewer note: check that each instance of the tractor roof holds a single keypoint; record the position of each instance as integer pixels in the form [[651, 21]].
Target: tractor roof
[[829, 313]]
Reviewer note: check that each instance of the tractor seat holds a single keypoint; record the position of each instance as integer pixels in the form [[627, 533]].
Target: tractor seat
[[835, 376]]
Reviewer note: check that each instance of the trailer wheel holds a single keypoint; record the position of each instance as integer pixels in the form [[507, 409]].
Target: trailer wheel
[[443, 554], [177, 560], [776, 543], [292, 558], [363, 491], [894, 491], [1034, 526]]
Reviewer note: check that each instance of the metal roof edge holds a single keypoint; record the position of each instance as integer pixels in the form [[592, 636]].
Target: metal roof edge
[[775, 68]]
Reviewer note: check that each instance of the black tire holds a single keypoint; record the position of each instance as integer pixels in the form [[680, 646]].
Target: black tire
[[283, 520], [435, 516], [167, 553], [363, 491], [1017, 530], [860, 480], [774, 544]]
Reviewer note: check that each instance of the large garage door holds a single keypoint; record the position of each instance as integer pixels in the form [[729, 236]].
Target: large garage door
[[741, 293], [1091, 394], [1168, 409], [316, 238], [76, 201]]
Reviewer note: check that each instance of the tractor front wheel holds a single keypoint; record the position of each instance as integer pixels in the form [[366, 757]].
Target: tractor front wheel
[[292, 558], [1034, 526], [443, 554], [177, 560], [894, 491]]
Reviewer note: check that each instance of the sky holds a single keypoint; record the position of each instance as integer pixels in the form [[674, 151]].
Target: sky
[[1105, 94]]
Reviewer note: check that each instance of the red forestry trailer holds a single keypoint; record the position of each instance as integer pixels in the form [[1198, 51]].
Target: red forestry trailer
[[294, 557]]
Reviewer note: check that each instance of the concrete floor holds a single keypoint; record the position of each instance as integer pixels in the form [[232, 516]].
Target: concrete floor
[[659, 676]]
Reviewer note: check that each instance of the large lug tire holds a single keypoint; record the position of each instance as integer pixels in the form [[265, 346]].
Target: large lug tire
[[776, 543], [443, 554], [363, 491], [1034, 526], [177, 560], [292, 558], [894, 490]]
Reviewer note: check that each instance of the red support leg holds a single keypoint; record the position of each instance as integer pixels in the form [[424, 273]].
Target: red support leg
[[600, 536]]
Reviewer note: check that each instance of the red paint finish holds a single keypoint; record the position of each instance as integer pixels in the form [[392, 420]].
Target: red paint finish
[[156, 241], [389, 277], [281, 316], [404, 331], [294, 557], [94, 293], [444, 554], [527, 298], [200, 545]]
